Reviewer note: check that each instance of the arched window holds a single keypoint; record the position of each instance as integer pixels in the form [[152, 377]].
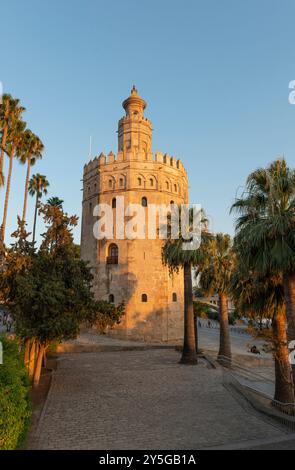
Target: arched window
[[167, 185], [174, 297], [110, 184], [171, 203], [144, 298], [113, 254], [139, 181], [121, 182], [175, 188], [90, 207], [114, 202], [111, 298], [151, 182], [144, 201]]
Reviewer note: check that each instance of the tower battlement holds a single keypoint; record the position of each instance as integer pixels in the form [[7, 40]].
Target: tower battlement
[[111, 158]]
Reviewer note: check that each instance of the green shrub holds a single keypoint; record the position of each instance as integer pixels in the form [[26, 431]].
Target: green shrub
[[15, 407]]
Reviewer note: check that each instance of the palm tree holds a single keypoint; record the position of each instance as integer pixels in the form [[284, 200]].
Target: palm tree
[[175, 257], [10, 111], [265, 229], [37, 186], [216, 268], [264, 297], [31, 151], [55, 202], [15, 139]]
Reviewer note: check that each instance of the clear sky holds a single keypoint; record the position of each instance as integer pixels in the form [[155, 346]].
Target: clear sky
[[215, 75]]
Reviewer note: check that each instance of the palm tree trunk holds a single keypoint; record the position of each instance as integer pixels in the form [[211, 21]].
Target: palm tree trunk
[[196, 318], [38, 368], [3, 228], [284, 390], [3, 144], [26, 189], [289, 291], [35, 216], [189, 346], [224, 354]]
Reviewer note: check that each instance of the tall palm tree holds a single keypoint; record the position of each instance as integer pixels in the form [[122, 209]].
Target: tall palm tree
[[15, 139], [176, 258], [265, 229], [10, 110], [216, 270], [264, 297], [31, 151], [37, 186]]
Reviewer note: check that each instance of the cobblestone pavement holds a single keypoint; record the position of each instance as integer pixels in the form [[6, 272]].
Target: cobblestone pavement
[[142, 400]]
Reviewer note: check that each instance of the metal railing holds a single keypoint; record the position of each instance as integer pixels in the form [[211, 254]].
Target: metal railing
[[233, 374], [214, 325]]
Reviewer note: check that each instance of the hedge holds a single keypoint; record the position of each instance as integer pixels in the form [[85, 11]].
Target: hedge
[[15, 406]]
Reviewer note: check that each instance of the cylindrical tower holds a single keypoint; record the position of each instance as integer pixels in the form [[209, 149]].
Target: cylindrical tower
[[131, 270]]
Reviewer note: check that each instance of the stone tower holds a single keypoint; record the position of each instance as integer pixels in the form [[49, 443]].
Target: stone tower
[[131, 271]]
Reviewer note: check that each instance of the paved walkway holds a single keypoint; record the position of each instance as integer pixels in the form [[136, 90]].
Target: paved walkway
[[143, 400]]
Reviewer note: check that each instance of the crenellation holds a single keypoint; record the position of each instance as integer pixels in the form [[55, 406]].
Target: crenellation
[[111, 157], [166, 159]]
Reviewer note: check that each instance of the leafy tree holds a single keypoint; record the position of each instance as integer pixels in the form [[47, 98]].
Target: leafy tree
[[106, 315], [48, 292]]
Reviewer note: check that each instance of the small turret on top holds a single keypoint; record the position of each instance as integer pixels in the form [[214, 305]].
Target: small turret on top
[[134, 130], [134, 105]]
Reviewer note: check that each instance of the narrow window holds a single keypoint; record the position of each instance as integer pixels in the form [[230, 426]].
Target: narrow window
[[174, 297], [121, 182], [175, 188], [139, 181], [114, 201], [151, 182], [167, 185], [110, 184], [111, 298], [144, 201], [144, 298], [113, 254]]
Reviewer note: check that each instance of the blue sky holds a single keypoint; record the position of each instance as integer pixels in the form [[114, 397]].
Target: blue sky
[[215, 76]]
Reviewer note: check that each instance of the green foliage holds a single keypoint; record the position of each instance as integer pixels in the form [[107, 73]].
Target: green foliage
[[52, 297], [217, 264], [201, 309], [15, 408], [265, 235], [106, 315]]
